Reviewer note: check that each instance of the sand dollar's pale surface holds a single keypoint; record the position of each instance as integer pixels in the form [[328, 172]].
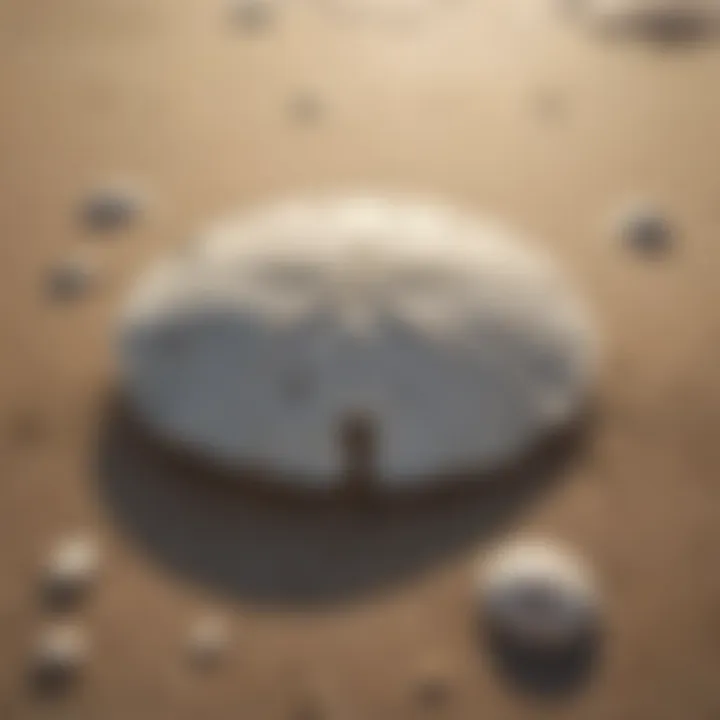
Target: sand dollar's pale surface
[[459, 345]]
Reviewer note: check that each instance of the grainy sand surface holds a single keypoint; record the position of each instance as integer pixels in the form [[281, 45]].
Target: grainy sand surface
[[495, 105]]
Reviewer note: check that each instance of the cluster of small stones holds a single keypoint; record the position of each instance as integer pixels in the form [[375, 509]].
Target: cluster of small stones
[[69, 574], [62, 647], [533, 594], [105, 210]]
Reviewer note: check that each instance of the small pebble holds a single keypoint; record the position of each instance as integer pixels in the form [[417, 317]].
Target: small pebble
[[646, 231], [251, 15], [432, 686], [538, 596], [71, 569], [305, 107], [208, 641], [71, 278], [60, 653], [111, 208]]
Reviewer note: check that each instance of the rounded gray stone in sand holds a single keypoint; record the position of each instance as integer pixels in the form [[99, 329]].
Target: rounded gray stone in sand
[[72, 278], [645, 230], [537, 595], [112, 207]]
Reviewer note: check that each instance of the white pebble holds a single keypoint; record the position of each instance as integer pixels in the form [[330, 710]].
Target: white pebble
[[537, 595], [60, 652], [208, 640], [72, 568]]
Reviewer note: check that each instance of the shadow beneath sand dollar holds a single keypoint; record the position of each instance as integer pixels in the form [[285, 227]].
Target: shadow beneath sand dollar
[[262, 542]]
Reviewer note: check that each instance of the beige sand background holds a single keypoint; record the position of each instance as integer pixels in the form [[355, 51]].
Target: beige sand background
[[496, 105]]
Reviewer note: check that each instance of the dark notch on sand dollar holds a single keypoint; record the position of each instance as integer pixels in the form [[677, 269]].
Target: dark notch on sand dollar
[[357, 437]]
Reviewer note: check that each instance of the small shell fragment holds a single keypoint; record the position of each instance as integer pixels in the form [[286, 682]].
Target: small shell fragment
[[71, 569]]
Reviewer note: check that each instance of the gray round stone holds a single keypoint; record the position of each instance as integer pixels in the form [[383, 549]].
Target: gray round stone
[[112, 207], [72, 278], [538, 595]]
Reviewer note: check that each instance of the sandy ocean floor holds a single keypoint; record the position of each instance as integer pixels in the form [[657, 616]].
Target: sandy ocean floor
[[498, 106]]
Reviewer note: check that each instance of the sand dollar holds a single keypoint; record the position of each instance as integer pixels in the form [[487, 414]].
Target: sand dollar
[[434, 340]]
